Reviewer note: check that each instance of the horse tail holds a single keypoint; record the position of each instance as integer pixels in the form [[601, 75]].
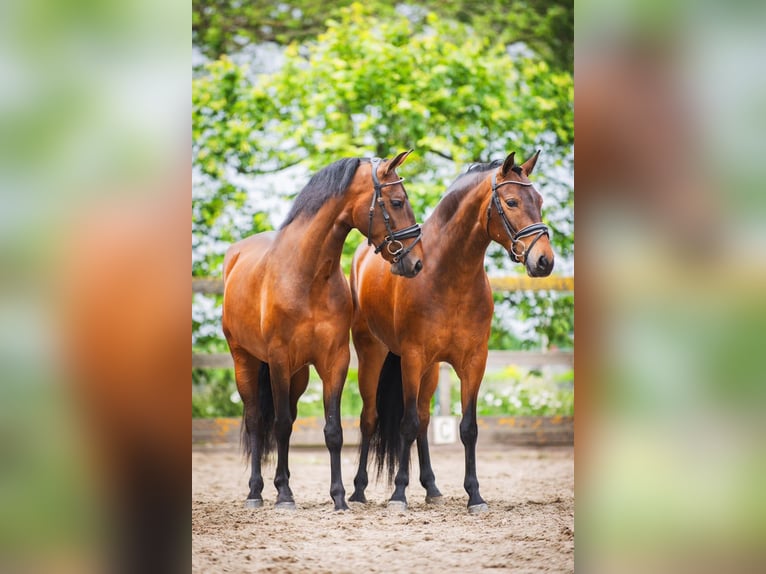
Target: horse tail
[[386, 440], [264, 417]]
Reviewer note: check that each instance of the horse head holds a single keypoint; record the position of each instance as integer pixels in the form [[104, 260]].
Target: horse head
[[392, 228], [514, 217]]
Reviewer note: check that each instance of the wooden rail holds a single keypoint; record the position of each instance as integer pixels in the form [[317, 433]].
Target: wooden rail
[[496, 361], [309, 431], [214, 286]]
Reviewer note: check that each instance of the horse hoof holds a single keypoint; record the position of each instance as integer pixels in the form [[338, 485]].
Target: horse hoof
[[341, 507], [287, 505], [397, 505], [253, 503], [436, 500], [360, 498], [478, 508]]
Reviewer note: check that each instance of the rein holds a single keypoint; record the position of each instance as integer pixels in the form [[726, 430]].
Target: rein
[[393, 241], [537, 229]]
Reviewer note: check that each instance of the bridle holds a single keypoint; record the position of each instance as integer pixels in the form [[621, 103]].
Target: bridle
[[393, 241], [537, 229]]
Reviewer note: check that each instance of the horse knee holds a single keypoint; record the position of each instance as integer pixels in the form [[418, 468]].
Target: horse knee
[[333, 435], [283, 427], [368, 421], [410, 427], [468, 431]]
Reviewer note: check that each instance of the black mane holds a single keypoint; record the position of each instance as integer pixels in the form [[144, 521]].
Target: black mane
[[330, 181], [462, 184]]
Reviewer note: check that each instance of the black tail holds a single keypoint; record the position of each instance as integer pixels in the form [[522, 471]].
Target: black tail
[[263, 418], [387, 439]]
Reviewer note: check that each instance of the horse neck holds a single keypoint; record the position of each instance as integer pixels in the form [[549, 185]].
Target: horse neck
[[457, 243], [314, 244]]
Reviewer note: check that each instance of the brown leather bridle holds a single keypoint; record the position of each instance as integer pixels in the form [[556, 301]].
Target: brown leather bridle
[[537, 229], [393, 241]]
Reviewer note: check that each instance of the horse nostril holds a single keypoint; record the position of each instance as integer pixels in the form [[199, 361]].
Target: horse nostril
[[418, 266], [542, 263]]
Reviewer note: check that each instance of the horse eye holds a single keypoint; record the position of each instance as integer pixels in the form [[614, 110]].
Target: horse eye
[[396, 203], [512, 203]]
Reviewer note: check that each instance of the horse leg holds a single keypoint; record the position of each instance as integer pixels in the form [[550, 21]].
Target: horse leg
[[333, 373], [246, 373], [298, 384], [427, 478], [283, 428], [372, 353], [470, 379], [411, 365]]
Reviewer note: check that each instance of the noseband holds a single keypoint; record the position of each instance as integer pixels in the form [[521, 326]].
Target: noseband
[[536, 229], [393, 241]]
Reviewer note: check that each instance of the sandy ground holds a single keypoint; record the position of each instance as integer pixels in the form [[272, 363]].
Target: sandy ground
[[529, 527]]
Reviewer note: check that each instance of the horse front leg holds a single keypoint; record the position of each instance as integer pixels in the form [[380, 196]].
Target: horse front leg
[[283, 428], [411, 371], [470, 380], [333, 373]]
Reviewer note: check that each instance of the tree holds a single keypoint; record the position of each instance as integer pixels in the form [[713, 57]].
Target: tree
[[372, 87], [546, 26]]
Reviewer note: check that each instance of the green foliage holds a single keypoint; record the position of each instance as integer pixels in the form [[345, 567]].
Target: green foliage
[[549, 313], [511, 393], [214, 394], [223, 27]]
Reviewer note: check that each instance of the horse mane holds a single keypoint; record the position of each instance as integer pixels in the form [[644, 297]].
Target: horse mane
[[331, 181], [458, 189], [463, 184]]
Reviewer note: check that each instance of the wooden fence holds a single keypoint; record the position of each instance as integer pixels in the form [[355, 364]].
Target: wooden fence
[[496, 361], [214, 286]]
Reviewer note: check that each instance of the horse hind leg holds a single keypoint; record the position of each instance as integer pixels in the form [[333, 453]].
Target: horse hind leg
[[372, 354], [427, 477], [411, 374], [333, 374], [252, 377]]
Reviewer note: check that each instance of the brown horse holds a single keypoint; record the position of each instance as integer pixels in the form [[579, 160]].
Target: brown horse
[[402, 330], [287, 305]]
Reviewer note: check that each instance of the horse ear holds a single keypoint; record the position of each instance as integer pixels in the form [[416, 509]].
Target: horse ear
[[397, 161], [508, 163], [529, 165]]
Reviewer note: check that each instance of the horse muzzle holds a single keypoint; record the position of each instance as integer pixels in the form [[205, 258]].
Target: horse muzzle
[[540, 267], [406, 267]]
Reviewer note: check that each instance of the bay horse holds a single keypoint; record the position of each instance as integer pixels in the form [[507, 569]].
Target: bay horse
[[287, 305], [403, 329]]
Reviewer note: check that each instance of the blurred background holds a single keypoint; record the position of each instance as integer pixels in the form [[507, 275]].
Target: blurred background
[[671, 277], [94, 179], [94, 212]]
